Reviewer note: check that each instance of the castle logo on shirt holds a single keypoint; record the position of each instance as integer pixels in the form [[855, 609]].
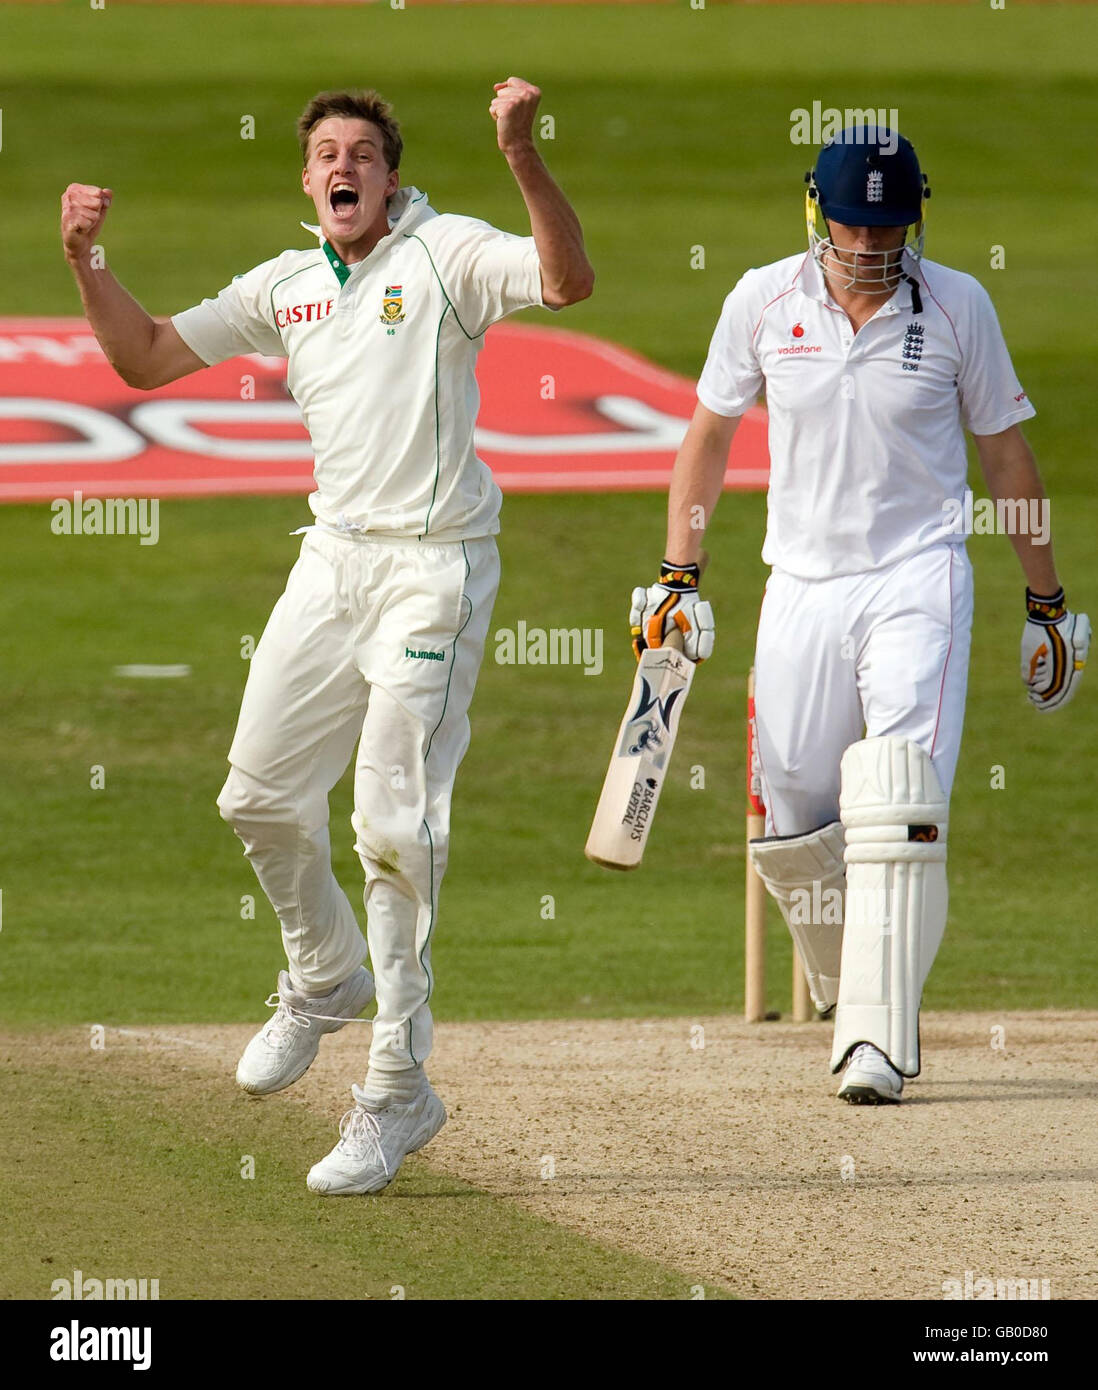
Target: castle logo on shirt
[[303, 313], [392, 306]]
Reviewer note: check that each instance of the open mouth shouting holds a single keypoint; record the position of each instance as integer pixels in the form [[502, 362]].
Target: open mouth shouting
[[343, 201]]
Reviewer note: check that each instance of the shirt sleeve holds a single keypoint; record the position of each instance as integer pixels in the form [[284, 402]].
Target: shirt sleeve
[[237, 321], [732, 378], [991, 396], [485, 273]]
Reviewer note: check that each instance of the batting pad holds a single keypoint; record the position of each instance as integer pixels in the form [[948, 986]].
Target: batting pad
[[805, 875], [895, 815]]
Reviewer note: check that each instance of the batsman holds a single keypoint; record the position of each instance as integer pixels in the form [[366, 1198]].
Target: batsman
[[875, 361]]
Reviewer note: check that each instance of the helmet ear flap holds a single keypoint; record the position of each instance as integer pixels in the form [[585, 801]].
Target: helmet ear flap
[[920, 227], [811, 204]]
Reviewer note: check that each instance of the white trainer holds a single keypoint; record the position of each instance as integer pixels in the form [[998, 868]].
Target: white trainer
[[285, 1047], [870, 1079], [373, 1144]]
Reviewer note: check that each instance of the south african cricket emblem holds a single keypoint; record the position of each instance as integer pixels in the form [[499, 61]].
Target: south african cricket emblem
[[392, 306]]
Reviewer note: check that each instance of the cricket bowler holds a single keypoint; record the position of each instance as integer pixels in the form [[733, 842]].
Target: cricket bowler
[[875, 361], [378, 637]]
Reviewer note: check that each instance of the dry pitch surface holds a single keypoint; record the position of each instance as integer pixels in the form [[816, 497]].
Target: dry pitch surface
[[724, 1153]]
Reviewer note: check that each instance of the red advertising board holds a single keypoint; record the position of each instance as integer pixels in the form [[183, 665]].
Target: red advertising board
[[560, 412]]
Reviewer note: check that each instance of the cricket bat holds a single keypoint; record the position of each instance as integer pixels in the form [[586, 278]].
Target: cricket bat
[[642, 753]]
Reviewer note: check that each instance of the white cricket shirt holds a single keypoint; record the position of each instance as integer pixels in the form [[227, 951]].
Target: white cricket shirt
[[866, 430], [382, 358]]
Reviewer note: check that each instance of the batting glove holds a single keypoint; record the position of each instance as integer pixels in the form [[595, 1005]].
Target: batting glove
[[1055, 643], [671, 605]]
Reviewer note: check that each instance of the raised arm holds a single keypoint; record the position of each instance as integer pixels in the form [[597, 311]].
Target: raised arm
[[145, 352], [566, 273]]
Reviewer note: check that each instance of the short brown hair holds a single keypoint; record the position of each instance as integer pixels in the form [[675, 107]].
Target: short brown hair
[[356, 105]]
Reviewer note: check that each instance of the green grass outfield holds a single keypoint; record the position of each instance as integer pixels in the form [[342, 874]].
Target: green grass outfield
[[144, 1178], [672, 130]]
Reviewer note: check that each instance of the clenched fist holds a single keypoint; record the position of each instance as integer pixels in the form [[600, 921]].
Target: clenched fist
[[83, 209], [512, 109]]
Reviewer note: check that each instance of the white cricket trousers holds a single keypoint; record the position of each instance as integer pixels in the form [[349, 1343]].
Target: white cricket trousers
[[886, 650], [378, 641]]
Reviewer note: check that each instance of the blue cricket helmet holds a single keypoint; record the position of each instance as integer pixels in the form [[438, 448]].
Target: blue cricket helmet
[[869, 176]]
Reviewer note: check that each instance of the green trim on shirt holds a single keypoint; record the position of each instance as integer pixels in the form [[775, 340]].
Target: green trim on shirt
[[311, 266], [413, 236], [342, 272], [438, 446]]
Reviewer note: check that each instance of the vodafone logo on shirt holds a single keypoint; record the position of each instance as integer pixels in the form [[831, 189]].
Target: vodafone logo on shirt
[[560, 412], [798, 332]]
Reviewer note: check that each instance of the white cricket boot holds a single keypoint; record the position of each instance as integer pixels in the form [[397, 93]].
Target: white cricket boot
[[286, 1046], [869, 1079], [373, 1144]]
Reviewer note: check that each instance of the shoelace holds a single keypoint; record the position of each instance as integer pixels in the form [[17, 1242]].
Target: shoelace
[[359, 1131], [287, 1015], [865, 1054]]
